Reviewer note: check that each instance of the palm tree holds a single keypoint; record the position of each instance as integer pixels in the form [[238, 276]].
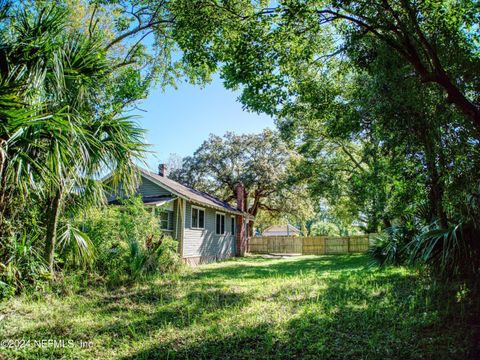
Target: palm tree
[[57, 136]]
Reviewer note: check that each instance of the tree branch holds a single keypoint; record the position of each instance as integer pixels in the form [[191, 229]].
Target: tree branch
[[136, 30], [268, 208]]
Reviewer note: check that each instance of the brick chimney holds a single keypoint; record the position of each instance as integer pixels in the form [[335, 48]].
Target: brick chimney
[[162, 170], [240, 235], [240, 191]]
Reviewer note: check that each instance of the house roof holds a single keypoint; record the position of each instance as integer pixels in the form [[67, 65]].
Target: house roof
[[281, 229], [186, 192]]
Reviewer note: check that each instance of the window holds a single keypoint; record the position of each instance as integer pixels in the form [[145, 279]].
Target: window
[[220, 224], [232, 223], [165, 217], [166, 222], [198, 218]]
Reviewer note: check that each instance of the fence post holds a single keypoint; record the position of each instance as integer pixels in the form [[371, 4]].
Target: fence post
[[348, 245]]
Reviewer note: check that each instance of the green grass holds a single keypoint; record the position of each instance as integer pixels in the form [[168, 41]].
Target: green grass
[[305, 307]]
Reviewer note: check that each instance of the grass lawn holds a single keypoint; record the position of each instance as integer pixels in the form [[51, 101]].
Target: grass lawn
[[305, 307]]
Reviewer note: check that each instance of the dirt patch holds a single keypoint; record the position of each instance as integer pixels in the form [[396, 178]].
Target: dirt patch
[[280, 256]]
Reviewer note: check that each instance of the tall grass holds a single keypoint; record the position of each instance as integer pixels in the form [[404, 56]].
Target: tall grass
[[307, 307], [22, 264]]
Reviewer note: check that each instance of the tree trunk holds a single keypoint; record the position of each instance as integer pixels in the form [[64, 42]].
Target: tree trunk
[[3, 192], [250, 229], [456, 97], [252, 211], [53, 213], [435, 187], [386, 223], [379, 195]]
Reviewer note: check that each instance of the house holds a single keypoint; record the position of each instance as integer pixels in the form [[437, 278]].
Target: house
[[207, 228], [281, 230]]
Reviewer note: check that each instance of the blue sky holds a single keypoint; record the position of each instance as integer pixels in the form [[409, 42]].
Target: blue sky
[[179, 120]]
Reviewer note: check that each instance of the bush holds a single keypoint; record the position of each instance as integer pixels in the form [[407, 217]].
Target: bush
[[388, 247], [22, 264], [128, 242], [168, 259], [449, 253]]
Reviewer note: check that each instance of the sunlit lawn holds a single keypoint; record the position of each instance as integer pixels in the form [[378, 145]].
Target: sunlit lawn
[[304, 307]]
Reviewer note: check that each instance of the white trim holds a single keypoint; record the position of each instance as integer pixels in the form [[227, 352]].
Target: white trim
[[169, 204], [233, 221], [184, 226], [224, 221], [191, 217], [169, 218]]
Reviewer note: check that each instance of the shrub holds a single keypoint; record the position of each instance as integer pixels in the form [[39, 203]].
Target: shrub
[[128, 242], [388, 246], [22, 264], [168, 259], [450, 252]]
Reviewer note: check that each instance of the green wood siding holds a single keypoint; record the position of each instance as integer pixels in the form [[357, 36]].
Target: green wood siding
[[205, 242], [145, 188], [148, 188]]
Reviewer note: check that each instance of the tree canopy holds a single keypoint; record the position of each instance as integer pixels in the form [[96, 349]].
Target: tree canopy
[[376, 102], [381, 98], [260, 162]]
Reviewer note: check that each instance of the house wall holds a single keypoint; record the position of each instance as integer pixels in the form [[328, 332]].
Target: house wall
[[199, 245], [145, 188], [204, 245], [148, 188]]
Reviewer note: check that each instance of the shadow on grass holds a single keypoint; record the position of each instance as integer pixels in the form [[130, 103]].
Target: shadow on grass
[[307, 337], [381, 317], [353, 312], [137, 311], [256, 342], [361, 313], [257, 267], [197, 306], [134, 313]]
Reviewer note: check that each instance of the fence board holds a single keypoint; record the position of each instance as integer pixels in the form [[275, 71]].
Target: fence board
[[311, 245]]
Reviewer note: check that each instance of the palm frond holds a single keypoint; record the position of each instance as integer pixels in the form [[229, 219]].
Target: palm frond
[[77, 244], [445, 249]]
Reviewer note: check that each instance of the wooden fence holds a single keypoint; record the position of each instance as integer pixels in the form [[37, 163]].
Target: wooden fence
[[311, 245]]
